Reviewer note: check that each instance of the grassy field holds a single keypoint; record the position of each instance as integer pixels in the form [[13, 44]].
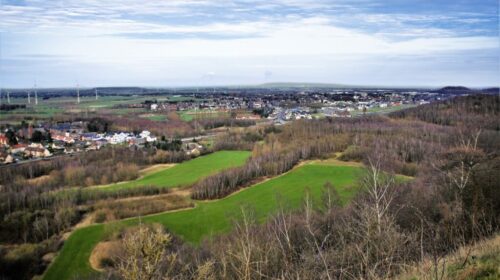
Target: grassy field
[[204, 114], [154, 117], [214, 217], [386, 110], [48, 108], [187, 172]]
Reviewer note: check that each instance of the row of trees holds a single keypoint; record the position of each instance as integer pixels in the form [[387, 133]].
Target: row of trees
[[270, 159], [405, 145]]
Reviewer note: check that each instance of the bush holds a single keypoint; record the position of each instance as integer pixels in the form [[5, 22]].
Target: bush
[[106, 262], [409, 169], [353, 153]]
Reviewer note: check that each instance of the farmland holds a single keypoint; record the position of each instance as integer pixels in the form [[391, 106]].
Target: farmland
[[187, 172], [209, 218], [203, 114]]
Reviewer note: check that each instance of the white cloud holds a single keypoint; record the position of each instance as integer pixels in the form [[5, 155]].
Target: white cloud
[[108, 34]]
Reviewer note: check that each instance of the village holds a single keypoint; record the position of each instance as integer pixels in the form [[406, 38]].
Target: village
[[62, 138], [45, 139]]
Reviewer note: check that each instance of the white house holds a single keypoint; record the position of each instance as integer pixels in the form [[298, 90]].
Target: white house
[[147, 135]]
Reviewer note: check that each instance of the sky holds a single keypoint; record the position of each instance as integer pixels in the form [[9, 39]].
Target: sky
[[172, 43]]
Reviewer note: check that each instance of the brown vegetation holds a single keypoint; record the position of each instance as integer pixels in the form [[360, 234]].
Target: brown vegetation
[[453, 201], [109, 210]]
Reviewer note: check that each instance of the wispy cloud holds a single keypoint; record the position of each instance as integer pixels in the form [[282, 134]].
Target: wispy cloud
[[183, 32]]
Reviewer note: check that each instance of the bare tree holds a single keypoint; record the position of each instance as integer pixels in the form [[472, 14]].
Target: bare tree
[[145, 251], [379, 187]]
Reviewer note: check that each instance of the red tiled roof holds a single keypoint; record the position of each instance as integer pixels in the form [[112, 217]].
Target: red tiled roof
[[19, 146]]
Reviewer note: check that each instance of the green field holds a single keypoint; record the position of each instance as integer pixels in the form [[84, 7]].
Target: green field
[[203, 114], [214, 217], [48, 108], [155, 117], [187, 172]]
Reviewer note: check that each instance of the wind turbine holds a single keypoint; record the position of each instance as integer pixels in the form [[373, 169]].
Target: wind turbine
[[36, 95], [96, 97], [8, 97], [29, 96]]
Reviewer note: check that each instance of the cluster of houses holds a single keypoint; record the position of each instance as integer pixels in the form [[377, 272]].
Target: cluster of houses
[[284, 106], [65, 138]]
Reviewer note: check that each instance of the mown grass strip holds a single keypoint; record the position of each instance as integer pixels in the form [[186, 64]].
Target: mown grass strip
[[186, 173]]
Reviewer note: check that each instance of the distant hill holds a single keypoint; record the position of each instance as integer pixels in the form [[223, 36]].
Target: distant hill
[[305, 85], [454, 90], [493, 90], [460, 90]]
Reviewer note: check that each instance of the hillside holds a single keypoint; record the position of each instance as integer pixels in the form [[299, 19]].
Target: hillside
[[479, 111], [480, 261], [209, 218]]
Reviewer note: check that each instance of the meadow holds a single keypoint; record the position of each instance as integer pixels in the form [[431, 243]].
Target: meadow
[[209, 218], [204, 114], [186, 173]]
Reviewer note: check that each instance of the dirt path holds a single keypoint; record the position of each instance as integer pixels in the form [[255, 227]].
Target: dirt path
[[175, 191], [154, 168]]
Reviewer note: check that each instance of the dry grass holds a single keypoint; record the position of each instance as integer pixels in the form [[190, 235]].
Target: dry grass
[[143, 172], [336, 162], [39, 180], [105, 252], [478, 261], [154, 168], [120, 209]]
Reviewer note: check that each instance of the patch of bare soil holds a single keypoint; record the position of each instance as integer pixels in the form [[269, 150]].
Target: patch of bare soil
[[105, 252]]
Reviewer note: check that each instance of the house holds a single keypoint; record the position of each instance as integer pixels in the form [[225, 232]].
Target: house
[[64, 136], [5, 157], [19, 148], [118, 138], [57, 145], [147, 135], [89, 136], [4, 140], [36, 150], [136, 141]]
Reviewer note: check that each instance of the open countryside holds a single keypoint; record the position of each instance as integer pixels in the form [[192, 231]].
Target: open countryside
[[249, 140], [208, 218]]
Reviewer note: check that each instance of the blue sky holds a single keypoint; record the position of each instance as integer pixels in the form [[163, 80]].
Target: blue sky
[[191, 43]]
